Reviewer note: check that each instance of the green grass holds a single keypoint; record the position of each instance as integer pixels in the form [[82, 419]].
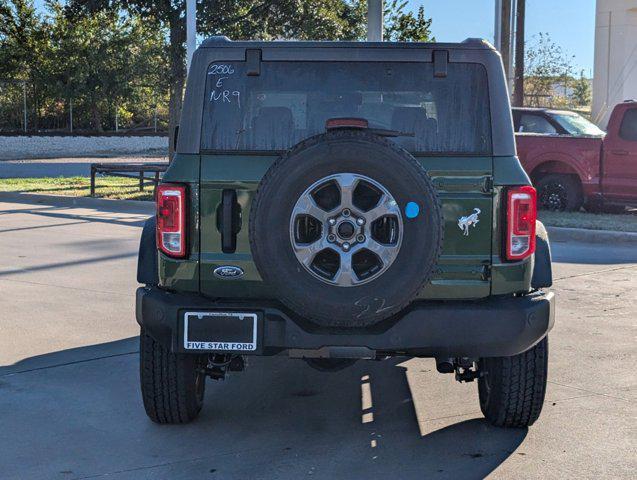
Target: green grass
[[105, 187], [592, 221]]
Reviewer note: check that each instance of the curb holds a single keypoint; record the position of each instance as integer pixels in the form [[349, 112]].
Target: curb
[[563, 234], [120, 206]]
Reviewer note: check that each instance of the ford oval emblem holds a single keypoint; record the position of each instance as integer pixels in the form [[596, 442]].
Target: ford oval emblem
[[228, 271]]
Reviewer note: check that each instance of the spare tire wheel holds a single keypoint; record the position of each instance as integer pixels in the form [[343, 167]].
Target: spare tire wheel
[[347, 228]]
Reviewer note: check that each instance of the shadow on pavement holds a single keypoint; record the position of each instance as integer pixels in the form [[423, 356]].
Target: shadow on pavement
[[61, 207], [80, 409]]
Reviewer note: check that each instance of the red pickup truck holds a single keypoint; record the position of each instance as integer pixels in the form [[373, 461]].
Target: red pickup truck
[[573, 163]]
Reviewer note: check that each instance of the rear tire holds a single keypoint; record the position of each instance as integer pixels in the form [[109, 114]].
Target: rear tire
[[512, 389], [559, 192], [172, 384]]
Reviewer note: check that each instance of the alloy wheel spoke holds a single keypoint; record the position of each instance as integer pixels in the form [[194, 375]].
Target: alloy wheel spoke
[[307, 206], [346, 184], [385, 206], [354, 253], [386, 253], [306, 252], [345, 276]]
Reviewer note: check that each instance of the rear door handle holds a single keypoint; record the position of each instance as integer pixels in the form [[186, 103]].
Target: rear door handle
[[619, 152], [229, 220]]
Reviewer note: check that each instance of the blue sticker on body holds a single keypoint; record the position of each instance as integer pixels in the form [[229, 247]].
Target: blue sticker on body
[[412, 210]]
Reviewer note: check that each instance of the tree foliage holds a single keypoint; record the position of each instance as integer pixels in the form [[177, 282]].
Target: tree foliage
[[405, 26], [118, 59], [548, 69], [581, 95], [104, 66]]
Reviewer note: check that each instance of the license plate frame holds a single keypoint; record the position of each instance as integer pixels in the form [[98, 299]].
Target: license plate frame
[[239, 337]]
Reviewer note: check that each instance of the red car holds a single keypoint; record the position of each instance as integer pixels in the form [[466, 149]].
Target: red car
[[573, 163]]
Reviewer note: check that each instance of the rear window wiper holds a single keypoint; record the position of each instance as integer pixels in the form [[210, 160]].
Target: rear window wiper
[[385, 132]]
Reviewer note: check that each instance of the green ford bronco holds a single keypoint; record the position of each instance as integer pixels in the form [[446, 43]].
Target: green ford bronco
[[337, 201]]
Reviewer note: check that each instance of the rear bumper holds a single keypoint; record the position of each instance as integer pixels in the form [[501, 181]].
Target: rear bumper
[[498, 326]]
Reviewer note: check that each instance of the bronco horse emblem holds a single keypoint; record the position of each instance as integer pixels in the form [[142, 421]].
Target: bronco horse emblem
[[465, 222]]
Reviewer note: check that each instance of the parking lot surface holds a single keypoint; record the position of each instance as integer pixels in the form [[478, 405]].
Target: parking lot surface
[[70, 406]]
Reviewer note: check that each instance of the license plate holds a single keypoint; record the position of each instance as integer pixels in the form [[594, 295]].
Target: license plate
[[231, 331]]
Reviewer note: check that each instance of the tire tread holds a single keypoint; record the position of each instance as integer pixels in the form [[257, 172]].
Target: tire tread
[[167, 392], [518, 387]]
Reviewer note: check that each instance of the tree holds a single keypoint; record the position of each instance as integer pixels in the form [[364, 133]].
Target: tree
[[101, 58], [258, 19], [581, 95], [251, 19], [23, 47], [404, 26], [546, 66], [107, 64]]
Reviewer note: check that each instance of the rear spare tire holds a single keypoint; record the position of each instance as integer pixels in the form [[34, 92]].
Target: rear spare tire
[[347, 227]]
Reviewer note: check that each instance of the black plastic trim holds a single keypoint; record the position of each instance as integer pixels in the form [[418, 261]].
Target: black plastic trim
[[253, 61], [542, 269], [147, 270], [441, 60], [229, 220], [498, 326]]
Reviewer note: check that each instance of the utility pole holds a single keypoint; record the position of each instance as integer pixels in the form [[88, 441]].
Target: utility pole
[[497, 24], [374, 20], [191, 31], [505, 36], [24, 104], [518, 91]]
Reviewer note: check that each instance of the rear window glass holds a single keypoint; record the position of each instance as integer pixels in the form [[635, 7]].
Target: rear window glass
[[290, 101], [628, 128], [535, 124]]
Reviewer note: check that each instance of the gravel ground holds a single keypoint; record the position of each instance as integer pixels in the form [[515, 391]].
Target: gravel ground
[[67, 167], [20, 147]]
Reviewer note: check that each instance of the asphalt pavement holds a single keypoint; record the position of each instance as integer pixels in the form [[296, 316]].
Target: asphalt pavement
[[70, 406]]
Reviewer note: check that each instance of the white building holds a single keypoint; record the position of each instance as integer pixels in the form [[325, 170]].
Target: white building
[[615, 77]]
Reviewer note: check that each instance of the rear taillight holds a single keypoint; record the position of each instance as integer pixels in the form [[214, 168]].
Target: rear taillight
[[171, 220], [521, 216]]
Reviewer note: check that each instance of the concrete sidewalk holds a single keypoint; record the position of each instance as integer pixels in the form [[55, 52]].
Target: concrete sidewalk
[[72, 410]]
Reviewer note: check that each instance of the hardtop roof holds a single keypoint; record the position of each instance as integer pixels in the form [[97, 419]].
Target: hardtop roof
[[223, 41]]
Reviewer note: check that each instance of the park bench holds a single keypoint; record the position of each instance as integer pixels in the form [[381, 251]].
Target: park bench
[[129, 170]]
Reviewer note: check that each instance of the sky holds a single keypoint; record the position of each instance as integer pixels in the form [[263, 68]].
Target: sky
[[570, 23]]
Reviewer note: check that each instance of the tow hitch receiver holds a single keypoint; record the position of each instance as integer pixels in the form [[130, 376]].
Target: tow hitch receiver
[[466, 369], [220, 364]]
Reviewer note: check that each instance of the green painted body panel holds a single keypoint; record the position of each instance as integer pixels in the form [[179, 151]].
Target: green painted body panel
[[470, 266], [464, 183]]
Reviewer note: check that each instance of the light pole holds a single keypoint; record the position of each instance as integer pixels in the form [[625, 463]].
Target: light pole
[[24, 104], [191, 30], [374, 20], [518, 91]]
